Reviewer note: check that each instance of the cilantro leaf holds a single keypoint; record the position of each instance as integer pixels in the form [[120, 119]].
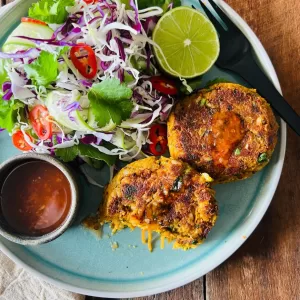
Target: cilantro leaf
[[44, 69], [70, 153], [110, 101], [8, 113], [50, 11], [94, 153], [67, 154]]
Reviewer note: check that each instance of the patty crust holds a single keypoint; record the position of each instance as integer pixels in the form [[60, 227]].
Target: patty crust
[[162, 195], [226, 130]]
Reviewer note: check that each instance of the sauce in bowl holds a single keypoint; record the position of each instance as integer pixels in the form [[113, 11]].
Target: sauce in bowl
[[35, 198]]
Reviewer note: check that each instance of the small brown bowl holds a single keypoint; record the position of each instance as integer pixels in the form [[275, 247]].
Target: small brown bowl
[[5, 229]]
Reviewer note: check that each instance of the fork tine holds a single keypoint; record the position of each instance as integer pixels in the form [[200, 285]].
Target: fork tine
[[212, 18], [230, 25]]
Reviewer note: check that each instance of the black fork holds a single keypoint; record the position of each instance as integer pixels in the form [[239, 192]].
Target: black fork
[[236, 55]]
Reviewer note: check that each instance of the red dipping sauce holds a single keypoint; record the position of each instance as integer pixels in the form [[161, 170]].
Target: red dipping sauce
[[35, 198]]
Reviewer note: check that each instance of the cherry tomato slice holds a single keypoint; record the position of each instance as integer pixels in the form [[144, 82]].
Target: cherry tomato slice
[[163, 85], [20, 142], [89, 1], [35, 21], [158, 137], [84, 59], [38, 119]]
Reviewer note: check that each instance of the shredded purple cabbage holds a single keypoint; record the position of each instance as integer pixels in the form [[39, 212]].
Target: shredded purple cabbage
[[137, 26], [121, 49], [74, 33], [150, 23], [6, 86], [100, 10], [89, 139], [31, 53], [121, 75], [46, 41], [86, 83], [8, 95], [72, 107]]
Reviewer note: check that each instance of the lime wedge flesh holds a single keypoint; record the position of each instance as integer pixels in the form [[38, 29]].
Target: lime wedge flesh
[[188, 43]]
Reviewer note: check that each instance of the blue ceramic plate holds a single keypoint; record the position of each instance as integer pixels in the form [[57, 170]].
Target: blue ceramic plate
[[79, 261]]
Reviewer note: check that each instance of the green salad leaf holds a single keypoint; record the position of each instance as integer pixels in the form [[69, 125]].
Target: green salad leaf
[[148, 3], [110, 101], [3, 74], [44, 69], [69, 154], [217, 80], [8, 113], [50, 11]]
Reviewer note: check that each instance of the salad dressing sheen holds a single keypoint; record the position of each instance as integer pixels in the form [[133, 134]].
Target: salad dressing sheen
[[35, 198]]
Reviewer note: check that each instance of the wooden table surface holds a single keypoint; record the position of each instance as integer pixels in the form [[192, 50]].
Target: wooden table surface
[[267, 266]]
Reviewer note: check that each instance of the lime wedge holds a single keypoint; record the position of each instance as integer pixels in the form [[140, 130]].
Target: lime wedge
[[187, 43]]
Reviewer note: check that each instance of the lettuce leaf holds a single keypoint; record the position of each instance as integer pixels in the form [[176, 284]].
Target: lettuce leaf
[[148, 3], [110, 101], [43, 70], [69, 154], [8, 113], [3, 74], [50, 11]]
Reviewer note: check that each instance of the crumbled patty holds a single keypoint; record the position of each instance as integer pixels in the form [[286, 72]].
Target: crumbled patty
[[163, 195], [227, 131]]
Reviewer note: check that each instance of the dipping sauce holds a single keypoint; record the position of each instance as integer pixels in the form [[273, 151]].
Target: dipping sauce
[[35, 198]]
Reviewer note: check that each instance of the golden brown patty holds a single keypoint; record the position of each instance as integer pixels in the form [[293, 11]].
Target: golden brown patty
[[227, 130], [162, 195]]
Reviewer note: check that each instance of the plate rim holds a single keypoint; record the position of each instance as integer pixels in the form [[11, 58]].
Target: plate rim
[[250, 224]]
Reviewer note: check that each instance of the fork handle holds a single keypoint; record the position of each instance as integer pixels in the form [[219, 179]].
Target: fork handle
[[248, 69]]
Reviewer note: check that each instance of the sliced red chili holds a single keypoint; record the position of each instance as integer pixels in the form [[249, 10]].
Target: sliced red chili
[[158, 138], [163, 85], [84, 59]]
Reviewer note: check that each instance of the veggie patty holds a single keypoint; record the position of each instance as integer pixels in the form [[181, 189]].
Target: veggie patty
[[226, 130], [162, 195]]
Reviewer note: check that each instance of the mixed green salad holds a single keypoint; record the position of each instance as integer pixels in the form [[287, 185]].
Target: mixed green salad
[[79, 79]]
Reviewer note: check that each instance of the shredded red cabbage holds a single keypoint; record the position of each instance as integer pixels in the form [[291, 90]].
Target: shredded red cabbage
[[121, 48], [6, 86], [86, 83], [8, 95], [72, 107], [138, 25], [31, 53], [46, 41], [89, 139], [121, 75]]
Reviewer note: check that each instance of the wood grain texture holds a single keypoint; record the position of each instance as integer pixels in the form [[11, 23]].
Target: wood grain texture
[[268, 265], [192, 291]]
